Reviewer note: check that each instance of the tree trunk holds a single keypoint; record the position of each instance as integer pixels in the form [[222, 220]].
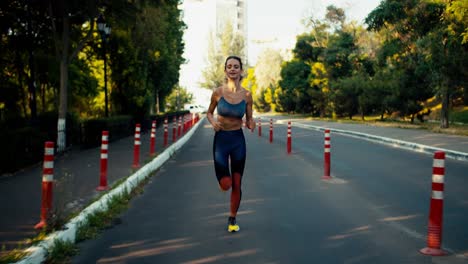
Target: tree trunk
[[32, 70], [465, 95], [61, 123], [157, 102], [32, 86]]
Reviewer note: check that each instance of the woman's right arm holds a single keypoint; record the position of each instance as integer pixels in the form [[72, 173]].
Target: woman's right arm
[[210, 113]]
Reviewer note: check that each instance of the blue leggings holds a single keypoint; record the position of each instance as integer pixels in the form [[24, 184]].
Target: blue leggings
[[229, 144]]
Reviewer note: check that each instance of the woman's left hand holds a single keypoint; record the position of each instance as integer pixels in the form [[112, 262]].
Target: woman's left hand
[[250, 124]]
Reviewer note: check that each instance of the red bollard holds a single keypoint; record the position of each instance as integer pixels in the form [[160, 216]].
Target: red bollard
[[434, 236], [193, 120], [179, 128], [174, 129], [259, 127], [104, 152], [271, 130], [165, 132], [153, 139], [136, 148], [326, 155], [47, 183], [289, 138]]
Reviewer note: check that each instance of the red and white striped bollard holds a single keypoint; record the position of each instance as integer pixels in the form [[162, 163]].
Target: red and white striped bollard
[[47, 183], [136, 148], [327, 156], [289, 143], [165, 132], [104, 155], [271, 130], [434, 236], [174, 129], [179, 128], [152, 139], [259, 127]]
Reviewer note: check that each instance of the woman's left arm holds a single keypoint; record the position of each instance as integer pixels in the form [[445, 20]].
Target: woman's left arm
[[248, 111]]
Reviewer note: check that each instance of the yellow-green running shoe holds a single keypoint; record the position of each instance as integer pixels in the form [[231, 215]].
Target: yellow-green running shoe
[[232, 225]]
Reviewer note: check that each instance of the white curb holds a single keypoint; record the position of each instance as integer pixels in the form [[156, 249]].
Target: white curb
[[37, 254], [389, 141]]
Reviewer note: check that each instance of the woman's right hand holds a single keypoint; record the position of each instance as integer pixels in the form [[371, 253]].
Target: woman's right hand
[[217, 126]]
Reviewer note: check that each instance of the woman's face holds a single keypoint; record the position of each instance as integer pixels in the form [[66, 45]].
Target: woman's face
[[233, 69]]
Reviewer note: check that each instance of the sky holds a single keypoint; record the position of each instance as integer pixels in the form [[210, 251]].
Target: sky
[[271, 24]]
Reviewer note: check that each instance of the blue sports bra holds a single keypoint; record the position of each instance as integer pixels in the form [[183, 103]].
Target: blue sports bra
[[231, 110]]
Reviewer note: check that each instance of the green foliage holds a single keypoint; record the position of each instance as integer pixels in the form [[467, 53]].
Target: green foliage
[[61, 252], [178, 98], [346, 97], [294, 86], [305, 49], [117, 126], [11, 256], [457, 14], [227, 42], [144, 56], [338, 55], [100, 220], [460, 116]]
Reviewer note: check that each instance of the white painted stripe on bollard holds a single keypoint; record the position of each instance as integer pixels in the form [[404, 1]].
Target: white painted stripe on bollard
[[439, 163], [49, 151], [104, 146], [103, 155], [437, 178], [438, 195], [48, 164], [47, 177]]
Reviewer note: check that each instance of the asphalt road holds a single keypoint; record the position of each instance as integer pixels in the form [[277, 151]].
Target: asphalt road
[[76, 175], [373, 210]]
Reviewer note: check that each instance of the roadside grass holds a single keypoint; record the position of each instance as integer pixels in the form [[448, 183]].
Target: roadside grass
[[95, 223], [458, 122], [61, 252], [12, 255]]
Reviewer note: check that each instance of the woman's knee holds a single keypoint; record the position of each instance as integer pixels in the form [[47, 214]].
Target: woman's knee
[[225, 183]]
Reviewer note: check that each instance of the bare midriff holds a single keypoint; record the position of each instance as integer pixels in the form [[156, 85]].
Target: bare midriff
[[230, 123]]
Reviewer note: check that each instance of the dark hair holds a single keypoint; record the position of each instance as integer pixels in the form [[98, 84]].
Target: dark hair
[[233, 57]]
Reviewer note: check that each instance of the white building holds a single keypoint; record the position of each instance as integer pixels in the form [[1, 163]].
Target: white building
[[201, 17]]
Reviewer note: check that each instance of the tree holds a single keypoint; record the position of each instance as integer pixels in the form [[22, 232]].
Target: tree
[[178, 98], [267, 74], [67, 19], [227, 42], [294, 85], [414, 23]]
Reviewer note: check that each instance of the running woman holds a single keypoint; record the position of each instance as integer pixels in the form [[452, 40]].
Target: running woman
[[232, 102]]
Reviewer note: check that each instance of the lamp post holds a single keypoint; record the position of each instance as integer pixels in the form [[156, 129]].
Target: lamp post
[[104, 30]]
